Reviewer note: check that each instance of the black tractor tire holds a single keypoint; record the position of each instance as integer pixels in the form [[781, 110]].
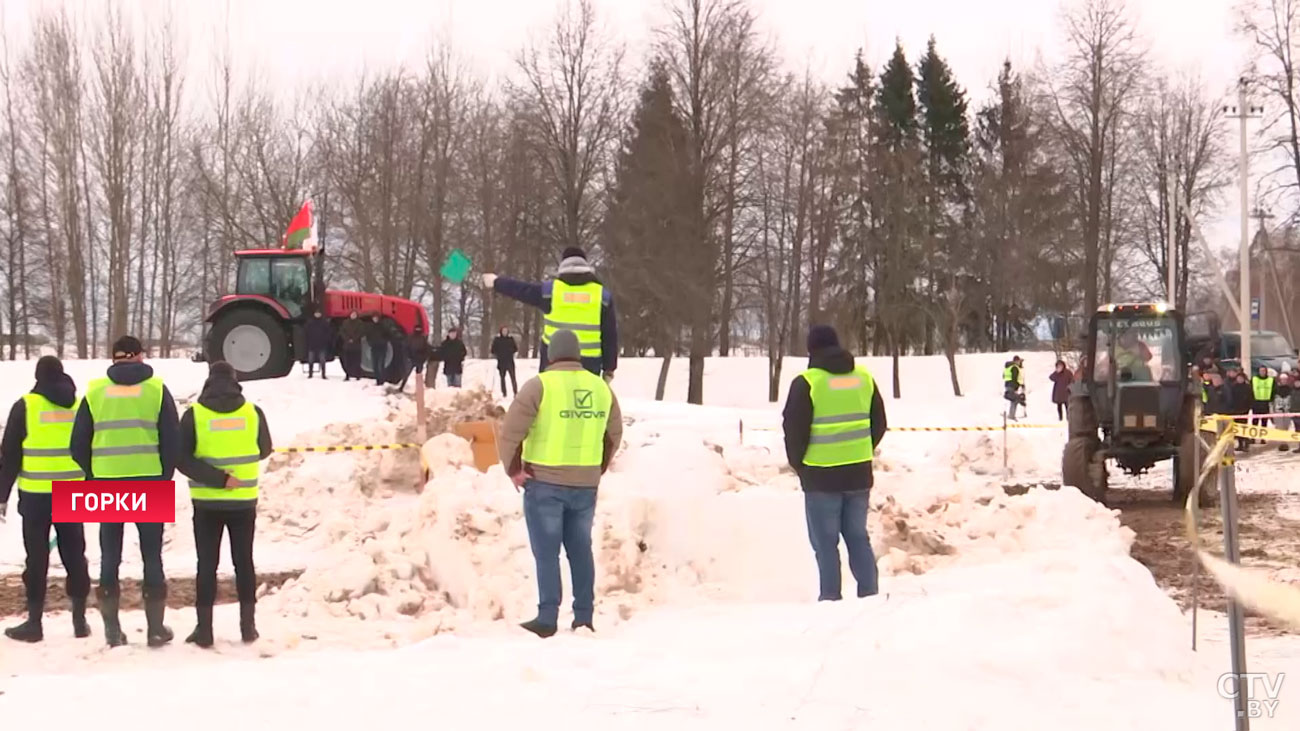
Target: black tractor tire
[[395, 339], [1080, 419], [1084, 468], [257, 357]]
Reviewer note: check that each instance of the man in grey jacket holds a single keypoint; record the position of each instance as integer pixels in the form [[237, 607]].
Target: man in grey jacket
[[557, 440]]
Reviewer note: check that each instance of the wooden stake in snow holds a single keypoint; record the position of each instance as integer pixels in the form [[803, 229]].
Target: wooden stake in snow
[[421, 424]]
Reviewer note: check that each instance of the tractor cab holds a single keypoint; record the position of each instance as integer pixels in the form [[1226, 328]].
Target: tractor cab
[[1138, 371], [1135, 404], [284, 276]]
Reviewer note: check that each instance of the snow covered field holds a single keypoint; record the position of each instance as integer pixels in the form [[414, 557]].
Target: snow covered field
[[996, 612]]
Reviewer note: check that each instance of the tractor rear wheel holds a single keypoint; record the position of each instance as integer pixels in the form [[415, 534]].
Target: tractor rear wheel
[[253, 342], [1083, 467]]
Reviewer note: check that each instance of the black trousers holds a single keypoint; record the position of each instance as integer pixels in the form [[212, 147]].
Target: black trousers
[[209, 523], [1060, 412], [417, 368], [351, 362], [514, 385], [110, 548], [36, 513]]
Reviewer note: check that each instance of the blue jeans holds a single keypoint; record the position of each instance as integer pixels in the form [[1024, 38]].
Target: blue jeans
[[558, 515], [830, 515]]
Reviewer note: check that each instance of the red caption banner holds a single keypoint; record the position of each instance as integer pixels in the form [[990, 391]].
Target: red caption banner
[[114, 501]]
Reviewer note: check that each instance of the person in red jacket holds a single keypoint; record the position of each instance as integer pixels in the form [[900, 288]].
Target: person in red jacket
[[1061, 379]]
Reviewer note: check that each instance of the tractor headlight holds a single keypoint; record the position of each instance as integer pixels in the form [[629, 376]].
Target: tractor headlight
[[1162, 307]]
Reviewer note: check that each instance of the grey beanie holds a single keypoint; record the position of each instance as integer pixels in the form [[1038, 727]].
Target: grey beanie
[[563, 346]]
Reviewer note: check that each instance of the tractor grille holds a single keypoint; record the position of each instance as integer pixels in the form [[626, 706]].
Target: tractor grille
[[1139, 407]]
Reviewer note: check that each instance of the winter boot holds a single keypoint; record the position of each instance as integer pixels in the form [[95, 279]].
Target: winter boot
[[202, 634], [247, 626], [108, 604], [538, 628], [31, 630], [582, 625], [155, 605], [79, 626]]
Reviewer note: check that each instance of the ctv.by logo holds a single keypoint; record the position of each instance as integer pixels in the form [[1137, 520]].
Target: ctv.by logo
[[1258, 704]]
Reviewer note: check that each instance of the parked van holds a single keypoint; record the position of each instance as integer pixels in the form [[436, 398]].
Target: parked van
[[1267, 348]]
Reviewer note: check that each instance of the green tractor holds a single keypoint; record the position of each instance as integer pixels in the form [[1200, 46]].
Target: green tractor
[[1135, 403]]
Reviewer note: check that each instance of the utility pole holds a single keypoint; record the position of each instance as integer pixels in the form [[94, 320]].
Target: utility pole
[[1261, 215], [1244, 112], [1171, 258]]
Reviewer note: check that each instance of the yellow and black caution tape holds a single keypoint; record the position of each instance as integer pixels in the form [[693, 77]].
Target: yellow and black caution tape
[[1254, 588], [363, 448], [1252, 431]]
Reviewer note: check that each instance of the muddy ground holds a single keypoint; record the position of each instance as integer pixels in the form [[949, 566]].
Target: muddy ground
[[180, 592], [1268, 537]]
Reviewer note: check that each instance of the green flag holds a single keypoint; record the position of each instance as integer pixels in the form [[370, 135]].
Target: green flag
[[455, 267]]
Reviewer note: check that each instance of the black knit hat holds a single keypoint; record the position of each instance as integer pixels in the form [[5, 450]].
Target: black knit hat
[[821, 337], [48, 367], [127, 347], [573, 252], [222, 369]]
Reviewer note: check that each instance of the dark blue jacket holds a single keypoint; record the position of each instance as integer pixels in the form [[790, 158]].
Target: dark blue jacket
[[539, 296]]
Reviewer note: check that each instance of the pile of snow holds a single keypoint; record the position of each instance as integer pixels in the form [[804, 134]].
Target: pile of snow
[[679, 521], [1028, 643]]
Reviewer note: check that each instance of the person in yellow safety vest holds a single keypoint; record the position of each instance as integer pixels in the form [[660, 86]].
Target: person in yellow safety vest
[[127, 429], [1262, 386], [34, 453], [833, 420], [224, 438], [575, 300], [1013, 385], [557, 439]]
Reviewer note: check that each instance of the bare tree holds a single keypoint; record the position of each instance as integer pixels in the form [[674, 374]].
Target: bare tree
[[1272, 26], [1180, 132], [575, 90], [1088, 101], [115, 132]]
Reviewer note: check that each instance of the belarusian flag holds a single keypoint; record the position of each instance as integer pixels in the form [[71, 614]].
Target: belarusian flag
[[300, 229]]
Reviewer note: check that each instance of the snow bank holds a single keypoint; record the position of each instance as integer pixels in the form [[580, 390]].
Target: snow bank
[[1027, 643]]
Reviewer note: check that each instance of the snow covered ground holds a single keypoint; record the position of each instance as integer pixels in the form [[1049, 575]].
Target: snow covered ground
[[996, 611]]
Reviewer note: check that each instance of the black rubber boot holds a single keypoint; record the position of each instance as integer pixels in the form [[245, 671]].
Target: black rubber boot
[[202, 634], [108, 603], [538, 628], [247, 623], [155, 606], [582, 625], [31, 630], [79, 626]]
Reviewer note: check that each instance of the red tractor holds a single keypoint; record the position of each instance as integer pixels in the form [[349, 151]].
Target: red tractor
[[259, 328]]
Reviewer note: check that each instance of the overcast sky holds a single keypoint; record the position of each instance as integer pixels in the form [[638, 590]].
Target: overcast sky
[[297, 42]]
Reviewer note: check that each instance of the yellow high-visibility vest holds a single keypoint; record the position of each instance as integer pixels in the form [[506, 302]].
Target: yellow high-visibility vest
[[841, 419], [125, 443], [575, 308], [47, 453], [229, 443], [569, 430]]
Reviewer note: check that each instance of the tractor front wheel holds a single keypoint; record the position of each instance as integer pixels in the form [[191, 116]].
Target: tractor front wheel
[[253, 342], [1083, 467]]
